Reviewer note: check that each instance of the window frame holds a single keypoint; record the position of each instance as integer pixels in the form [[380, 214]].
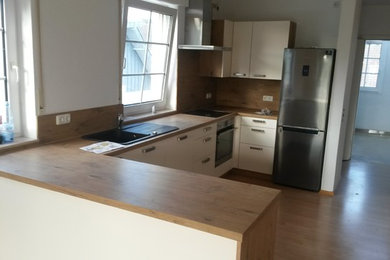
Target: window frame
[[145, 107], [5, 55], [364, 70]]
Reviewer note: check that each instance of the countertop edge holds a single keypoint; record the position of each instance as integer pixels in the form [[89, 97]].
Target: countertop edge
[[128, 207]]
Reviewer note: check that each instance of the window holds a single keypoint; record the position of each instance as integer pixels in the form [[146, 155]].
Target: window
[[371, 62], [147, 48], [3, 68]]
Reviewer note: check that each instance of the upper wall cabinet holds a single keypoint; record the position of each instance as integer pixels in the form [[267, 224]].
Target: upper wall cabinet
[[258, 48]]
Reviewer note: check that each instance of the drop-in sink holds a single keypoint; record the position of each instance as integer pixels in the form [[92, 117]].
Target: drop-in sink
[[132, 133]]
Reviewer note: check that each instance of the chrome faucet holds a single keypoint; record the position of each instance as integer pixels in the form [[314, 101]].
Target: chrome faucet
[[120, 121]]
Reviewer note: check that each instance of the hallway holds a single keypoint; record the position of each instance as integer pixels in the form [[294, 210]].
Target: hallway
[[371, 147]]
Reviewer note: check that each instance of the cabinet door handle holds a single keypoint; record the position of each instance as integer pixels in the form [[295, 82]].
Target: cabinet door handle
[[259, 75], [206, 129], [258, 121], [206, 160], [149, 149], [207, 139], [256, 148], [181, 138], [238, 74], [258, 130]]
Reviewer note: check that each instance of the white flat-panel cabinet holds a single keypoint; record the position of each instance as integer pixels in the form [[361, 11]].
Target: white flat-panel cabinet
[[258, 48], [269, 39], [257, 142], [155, 153], [192, 151], [241, 51]]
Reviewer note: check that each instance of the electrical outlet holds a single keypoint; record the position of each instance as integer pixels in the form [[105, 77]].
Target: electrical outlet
[[268, 98], [62, 119], [209, 95]]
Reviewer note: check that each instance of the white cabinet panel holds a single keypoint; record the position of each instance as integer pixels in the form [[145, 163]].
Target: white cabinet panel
[[256, 158], [258, 48], [268, 42], [155, 153], [242, 35], [259, 136], [258, 122], [192, 151], [257, 141]]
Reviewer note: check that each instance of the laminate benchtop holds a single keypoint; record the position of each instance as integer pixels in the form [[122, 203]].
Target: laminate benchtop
[[222, 207]]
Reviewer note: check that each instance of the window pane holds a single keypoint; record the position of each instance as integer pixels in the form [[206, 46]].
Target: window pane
[[159, 30], [371, 80], [157, 55], [372, 66], [153, 88], [366, 47], [137, 24], [362, 80], [132, 89], [364, 67], [134, 58], [375, 51]]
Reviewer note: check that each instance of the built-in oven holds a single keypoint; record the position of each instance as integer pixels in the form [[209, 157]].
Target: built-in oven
[[225, 136]]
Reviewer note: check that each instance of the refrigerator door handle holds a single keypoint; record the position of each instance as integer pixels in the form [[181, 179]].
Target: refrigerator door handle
[[313, 131]]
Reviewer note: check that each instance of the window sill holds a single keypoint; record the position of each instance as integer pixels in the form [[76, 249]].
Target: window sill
[[17, 143], [148, 116]]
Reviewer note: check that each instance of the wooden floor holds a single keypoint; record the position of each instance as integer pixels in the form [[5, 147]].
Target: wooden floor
[[353, 224]]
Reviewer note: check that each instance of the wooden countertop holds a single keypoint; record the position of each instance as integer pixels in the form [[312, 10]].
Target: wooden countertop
[[210, 204]]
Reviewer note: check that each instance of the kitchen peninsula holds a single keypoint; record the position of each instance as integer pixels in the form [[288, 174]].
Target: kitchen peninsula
[[58, 199]]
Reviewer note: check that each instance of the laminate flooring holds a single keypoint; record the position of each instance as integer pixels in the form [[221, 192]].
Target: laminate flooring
[[352, 224]]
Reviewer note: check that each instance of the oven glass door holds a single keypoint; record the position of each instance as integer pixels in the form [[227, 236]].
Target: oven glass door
[[224, 150]]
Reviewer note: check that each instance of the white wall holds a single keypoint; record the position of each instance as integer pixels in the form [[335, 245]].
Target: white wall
[[374, 106], [317, 20], [79, 54], [341, 89]]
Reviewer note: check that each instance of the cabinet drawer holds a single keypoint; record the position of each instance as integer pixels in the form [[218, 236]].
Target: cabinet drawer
[[258, 136], [154, 154], [256, 158], [204, 164], [258, 122]]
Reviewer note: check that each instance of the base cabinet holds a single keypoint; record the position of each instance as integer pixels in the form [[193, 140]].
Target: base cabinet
[[192, 151], [257, 142], [256, 158]]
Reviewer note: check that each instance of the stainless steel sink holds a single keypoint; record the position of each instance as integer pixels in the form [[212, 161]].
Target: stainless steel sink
[[132, 133]]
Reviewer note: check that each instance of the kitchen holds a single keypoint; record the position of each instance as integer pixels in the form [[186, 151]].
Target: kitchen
[[84, 89]]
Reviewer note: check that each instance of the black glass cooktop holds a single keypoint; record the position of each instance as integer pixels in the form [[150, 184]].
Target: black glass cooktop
[[207, 112]]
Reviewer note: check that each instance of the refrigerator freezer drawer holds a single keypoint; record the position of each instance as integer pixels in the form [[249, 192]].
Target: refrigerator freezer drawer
[[299, 158]]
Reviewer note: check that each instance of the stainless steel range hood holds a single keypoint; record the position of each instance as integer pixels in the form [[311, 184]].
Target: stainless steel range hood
[[198, 27]]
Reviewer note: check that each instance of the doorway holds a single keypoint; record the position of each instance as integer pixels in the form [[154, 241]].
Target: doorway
[[371, 140]]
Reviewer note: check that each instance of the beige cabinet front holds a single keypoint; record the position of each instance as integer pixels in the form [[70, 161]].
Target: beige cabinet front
[[241, 52], [257, 142], [192, 151], [258, 48]]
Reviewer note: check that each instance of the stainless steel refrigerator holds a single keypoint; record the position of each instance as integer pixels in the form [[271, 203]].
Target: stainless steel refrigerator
[[303, 115]]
